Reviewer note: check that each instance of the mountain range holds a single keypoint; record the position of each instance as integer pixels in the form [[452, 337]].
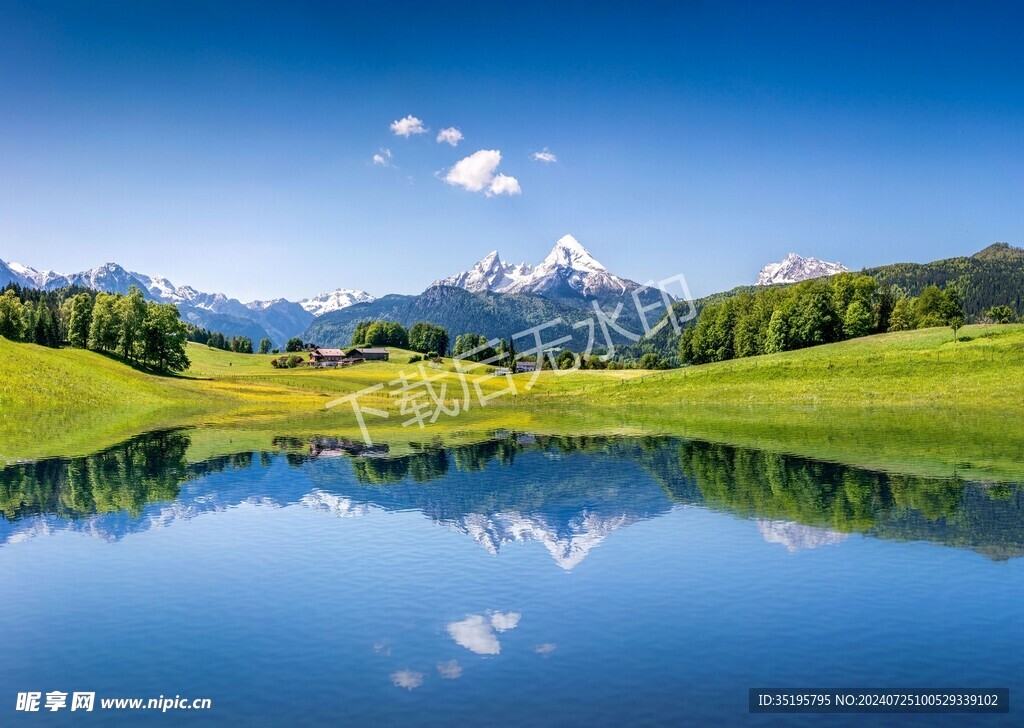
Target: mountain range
[[492, 297], [992, 276], [499, 299], [795, 268], [569, 271], [276, 319]]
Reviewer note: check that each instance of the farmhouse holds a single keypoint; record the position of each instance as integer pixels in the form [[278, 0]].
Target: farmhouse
[[323, 356], [367, 354], [526, 366]]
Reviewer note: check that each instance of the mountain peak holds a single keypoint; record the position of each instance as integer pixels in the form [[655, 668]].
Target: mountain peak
[[999, 251], [488, 274], [569, 270], [570, 253], [794, 268], [335, 300], [569, 243]]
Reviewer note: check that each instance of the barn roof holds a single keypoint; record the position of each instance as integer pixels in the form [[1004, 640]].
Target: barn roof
[[330, 352], [370, 351]]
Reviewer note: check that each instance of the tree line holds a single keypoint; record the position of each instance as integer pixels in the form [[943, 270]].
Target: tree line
[[820, 311], [217, 340], [141, 332], [431, 341], [991, 277], [425, 338], [381, 333], [34, 316]]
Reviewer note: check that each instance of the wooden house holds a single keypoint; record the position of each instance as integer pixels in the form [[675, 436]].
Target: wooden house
[[324, 356], [367, 354]]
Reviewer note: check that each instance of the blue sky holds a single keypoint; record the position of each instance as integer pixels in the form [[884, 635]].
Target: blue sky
[[229, 145]]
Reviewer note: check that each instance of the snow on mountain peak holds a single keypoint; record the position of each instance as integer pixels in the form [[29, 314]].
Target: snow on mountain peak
[[490, 273], [335, 300], [797, 537], [568, 270], [794, 268], [569, 253], [570, 246], [22, 270], [30, 277]]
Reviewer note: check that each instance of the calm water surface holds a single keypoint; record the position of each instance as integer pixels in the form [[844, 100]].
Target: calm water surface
[[525, 581]]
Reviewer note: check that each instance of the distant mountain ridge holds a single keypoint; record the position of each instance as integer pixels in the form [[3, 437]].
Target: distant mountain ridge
[[495, 315], [568, 271], [795, 268], [334, 300], [499, 300], [992, 276], [277, 319], [999, 251], [494, 298]]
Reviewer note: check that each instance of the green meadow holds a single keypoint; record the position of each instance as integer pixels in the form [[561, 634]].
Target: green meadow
[[913, 402]]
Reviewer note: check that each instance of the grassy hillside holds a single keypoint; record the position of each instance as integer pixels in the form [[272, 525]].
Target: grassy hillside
[[70, 401], [910, 402], [75, 398]]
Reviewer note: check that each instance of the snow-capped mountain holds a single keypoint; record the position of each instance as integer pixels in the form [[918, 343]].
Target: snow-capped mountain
[[796, 268], [335, 300], [11, 273], [27, 277], [568, 543], [796, 536], [277, 319], [109, 277], [490, 274], [569, 270]]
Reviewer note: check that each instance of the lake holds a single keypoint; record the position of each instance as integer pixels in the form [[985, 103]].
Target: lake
[[517, 581]]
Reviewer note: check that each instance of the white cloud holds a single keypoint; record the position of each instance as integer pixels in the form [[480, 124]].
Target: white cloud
[[408, 679], [504, 621], [476, 173], [383, 158], [545, 649], [544, 156], [502, 184], [451, 135], [450, 670], [408, 126], [475, 634]]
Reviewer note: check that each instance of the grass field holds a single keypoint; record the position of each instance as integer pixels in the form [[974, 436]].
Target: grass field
[[912, 402]]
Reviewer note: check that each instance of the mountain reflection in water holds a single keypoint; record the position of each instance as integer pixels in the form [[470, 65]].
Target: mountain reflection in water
[[566, 493]]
